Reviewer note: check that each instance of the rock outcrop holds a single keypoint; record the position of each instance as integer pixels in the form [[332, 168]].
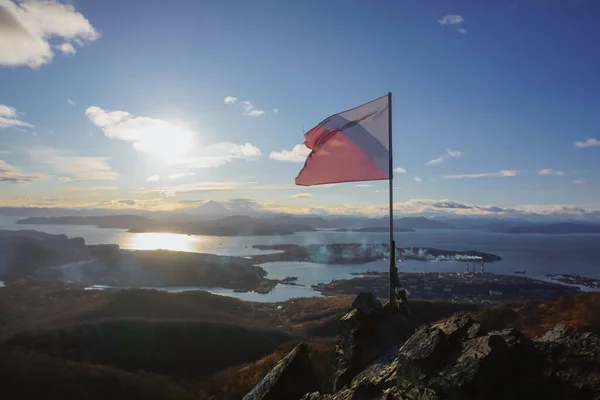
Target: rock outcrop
[[455, 360], [291, 378], [367, 332]]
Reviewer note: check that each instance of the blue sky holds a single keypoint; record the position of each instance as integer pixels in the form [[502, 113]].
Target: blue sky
[[500, 92]]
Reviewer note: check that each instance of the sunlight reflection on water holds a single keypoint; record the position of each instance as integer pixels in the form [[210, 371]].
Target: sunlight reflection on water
[[165, 241]]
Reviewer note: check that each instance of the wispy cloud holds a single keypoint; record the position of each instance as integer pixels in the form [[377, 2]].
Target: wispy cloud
[[91, 188], [591, 142], [9, 117], [297, 154], [302, 196], [29, 28], [156, 178], [453, 20], [67, 49], [417, 179], [200, 187], [550, 171], [363, 185], [449, 154], [10, 174], [217, 154], [251, 110], [275, 111], [580, 181], [71, 102], [500, 174], [399, 170], [180, 175], [79, 169]]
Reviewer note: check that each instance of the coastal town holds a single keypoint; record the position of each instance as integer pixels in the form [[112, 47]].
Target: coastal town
[[472, 287]]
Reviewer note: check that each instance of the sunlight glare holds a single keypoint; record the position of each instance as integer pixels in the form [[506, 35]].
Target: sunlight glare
[[165, 241], [168, 142]]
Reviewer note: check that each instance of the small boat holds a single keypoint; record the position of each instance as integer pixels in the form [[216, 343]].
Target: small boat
[[520, 272]]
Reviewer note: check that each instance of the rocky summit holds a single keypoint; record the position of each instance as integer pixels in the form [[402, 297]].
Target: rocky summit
[[380, 356]]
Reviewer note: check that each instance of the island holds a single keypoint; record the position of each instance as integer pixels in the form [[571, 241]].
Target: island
[[228, 226], [567, 279], [359, 253], [105, 221], [373, 229]]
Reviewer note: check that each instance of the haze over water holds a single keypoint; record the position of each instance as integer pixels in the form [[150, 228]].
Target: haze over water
[[577, 254]]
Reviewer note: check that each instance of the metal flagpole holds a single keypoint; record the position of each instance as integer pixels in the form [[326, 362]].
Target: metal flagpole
[[393, 270]]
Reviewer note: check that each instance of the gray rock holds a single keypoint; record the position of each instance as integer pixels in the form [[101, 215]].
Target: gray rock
[[421, 354], [367, 332], [457, 326], [290, 379]]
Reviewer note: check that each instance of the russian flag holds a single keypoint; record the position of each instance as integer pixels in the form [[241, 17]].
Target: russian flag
[[351, 146]]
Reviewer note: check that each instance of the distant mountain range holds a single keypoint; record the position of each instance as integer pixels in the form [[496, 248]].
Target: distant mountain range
[[242, 217], [561, 228]]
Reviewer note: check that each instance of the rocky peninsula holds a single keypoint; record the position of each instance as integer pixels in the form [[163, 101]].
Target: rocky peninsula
[[359, 253]]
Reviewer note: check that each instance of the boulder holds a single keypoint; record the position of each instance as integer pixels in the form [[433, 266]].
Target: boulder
[[367, 332], [572, 361], [290, 379]]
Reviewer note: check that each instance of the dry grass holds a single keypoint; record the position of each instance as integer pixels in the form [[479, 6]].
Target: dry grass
[[535, 318], [234, 383]]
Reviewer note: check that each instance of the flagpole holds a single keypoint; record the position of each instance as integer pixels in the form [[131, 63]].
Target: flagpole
[[393, 269]]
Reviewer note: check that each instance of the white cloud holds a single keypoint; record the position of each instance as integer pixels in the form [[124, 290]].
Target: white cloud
[[71, 102], [500, 174], [91, 188], [10, 174], [275, 111], [217, 154], [27, 29], [591, 142], [251, 110], [297, 154], [363, 185], [417, 179], [399, 170], [451, 20], [9, 117], [180, 175], [550, 171], [580, 181], [67, 49], [149, 135], [302, 196], [79, 169], [449, 154], [153, 178]]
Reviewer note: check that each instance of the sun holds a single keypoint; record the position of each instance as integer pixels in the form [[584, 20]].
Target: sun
[[169, 143]]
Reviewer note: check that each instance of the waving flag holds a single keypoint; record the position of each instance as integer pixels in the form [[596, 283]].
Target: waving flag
[[350, 146]]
